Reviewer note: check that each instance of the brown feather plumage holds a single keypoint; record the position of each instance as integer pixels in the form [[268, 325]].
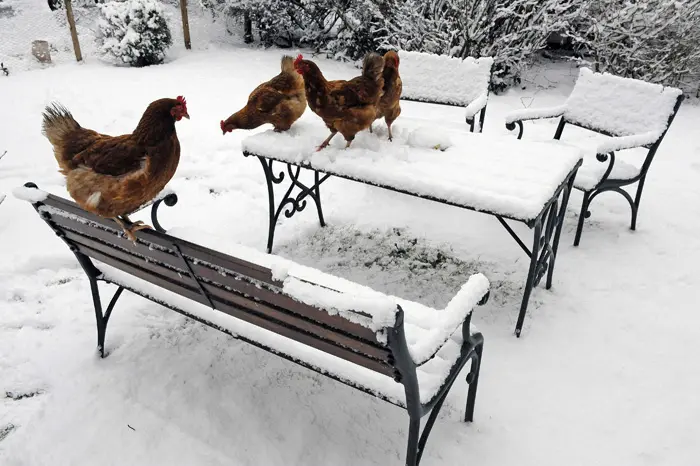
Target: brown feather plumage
[[111, 176], [346, 107], [389, 106], [279, 101]]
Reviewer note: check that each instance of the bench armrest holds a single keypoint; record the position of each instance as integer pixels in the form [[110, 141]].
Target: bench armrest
[[451, 318], [627, 142], [476, 105], [534, 114]]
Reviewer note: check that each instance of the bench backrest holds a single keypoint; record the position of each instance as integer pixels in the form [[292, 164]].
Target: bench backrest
[[444, 80], [620, 106], [230, 285]]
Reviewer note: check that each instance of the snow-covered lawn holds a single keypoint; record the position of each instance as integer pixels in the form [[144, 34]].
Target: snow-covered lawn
[[605, 373]]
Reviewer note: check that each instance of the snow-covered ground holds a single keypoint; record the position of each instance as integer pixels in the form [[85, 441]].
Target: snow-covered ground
[[605, 373]]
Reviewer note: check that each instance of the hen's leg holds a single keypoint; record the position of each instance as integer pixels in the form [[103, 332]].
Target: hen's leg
[[370, 128], [325, 143], [388, 127], [135, 226]]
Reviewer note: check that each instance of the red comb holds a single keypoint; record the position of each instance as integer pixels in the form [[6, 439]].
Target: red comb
[[300, 57], [182, 100], [222, 125]]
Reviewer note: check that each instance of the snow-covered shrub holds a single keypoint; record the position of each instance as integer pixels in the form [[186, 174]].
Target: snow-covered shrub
[[653, 40], [510, 31], [135, 31]]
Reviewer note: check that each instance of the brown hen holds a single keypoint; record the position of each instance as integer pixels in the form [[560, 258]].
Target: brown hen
[[346, 107], [112, 176], [279, 101], [389, 106]]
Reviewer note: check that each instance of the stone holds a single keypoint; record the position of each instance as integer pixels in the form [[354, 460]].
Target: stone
[[40, 50]]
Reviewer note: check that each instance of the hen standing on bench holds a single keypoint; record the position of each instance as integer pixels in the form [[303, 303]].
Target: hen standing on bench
[[112, 176]]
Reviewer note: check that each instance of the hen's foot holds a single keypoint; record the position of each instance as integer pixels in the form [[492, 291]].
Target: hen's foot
[[370, 129], [391, 138], [131, 229], [325, 143]]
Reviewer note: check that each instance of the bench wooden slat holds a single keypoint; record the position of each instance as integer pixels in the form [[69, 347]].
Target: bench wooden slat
[[73, 228], [222, 295]]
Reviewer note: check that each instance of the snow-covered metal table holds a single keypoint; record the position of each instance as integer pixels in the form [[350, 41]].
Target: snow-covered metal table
[[527, 182]]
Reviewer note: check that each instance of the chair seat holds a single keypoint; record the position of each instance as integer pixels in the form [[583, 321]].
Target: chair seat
[[628, 163]]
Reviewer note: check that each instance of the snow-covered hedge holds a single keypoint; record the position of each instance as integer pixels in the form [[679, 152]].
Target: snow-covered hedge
[[135, 31], [654, 40]]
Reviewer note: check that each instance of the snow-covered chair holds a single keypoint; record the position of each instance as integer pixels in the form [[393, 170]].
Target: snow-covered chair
[[397, 350], [440, 79], [629, 114]]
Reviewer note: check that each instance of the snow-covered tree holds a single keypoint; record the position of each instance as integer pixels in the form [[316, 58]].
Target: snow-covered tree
[[135, 32]]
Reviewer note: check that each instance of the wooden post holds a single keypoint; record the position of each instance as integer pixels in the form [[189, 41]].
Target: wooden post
[[185, 24], [73, 30]]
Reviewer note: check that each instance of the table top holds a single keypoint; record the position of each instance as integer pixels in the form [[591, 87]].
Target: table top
[[497, 174]]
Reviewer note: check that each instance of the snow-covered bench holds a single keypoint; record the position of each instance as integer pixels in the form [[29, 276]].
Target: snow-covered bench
[[528, 182], [629, 114], [348, 332], [447, 80]]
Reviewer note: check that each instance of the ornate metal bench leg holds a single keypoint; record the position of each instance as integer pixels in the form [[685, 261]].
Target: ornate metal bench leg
[[413, 431], [102, 319], [531, 277], [637, 200], [473, 380], [584, 214]]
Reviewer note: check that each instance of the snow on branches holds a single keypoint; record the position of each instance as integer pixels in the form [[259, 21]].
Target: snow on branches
[[135, 32]]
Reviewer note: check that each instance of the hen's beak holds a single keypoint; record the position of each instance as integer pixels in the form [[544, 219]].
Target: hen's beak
[[186, 115]]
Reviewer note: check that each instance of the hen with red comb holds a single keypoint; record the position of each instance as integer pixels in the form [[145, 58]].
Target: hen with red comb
[[112, 176]]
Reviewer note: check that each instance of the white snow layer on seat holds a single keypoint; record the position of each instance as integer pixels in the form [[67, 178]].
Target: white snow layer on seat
[[443, 79], [620, 106], [499, 175], [592, 170], [427, 329]]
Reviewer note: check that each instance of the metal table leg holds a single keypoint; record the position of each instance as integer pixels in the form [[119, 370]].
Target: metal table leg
[[291, 204]]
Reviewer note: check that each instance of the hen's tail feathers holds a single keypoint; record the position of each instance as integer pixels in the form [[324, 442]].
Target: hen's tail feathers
[[288, 64], [58, 122], [373, 66]]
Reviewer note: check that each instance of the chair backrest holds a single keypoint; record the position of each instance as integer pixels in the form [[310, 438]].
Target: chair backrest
[[620, 106], [230, 285], [444, 80]]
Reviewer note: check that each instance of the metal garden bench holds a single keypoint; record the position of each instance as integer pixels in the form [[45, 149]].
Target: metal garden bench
[[629, 114], [348, 332], [444, 80]]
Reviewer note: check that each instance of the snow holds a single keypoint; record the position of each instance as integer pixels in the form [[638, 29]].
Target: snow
[[32, 195], [592, 368], [620, 106], [535, 113], [510, 178], [448, 80]]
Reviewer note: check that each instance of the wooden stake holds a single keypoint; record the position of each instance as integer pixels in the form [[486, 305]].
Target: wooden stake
[[185, 24], [73, 30]]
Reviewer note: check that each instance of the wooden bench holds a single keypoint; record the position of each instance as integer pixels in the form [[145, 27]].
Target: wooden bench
[[526, 182], [345, 331], [628, 114], [444, 80]]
